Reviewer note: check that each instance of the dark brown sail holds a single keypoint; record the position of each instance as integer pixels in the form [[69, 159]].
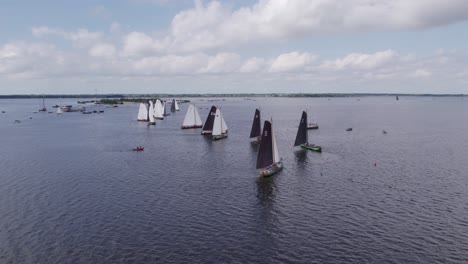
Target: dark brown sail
[[256, 129], [301, 136], [208, 127], [173, 106], [265, 151]]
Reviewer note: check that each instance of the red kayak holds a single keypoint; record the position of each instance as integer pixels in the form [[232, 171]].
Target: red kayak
[[139, 149]]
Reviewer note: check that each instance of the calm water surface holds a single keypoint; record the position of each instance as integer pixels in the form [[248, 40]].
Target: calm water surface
[[72, 191]]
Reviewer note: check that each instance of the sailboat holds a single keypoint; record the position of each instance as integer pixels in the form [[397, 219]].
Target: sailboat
[[59, 111], [192, 118], [164, 109], [302, 137], [151, 114], [256, 130], [43, 107], [142, 113], [268, 159], [174, 106], [158, 110], [219, 126], [208, 127]]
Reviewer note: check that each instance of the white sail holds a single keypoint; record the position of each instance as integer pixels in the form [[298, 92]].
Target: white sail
[[190, 119], [198, 121], [276, 157], [218, 124], [225, 127], [151, 111], [59, 111], [158, 110], [176, 105], [142, 113]]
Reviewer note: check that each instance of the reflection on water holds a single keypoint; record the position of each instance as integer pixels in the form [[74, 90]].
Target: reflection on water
[[266, 190]]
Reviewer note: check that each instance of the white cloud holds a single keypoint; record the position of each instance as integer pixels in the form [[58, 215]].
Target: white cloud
[[253, 65], [223, 62], [421, 73], [140, 44], [291, 62], [361, 60], [214, 25], [80, 38], [102, 50]]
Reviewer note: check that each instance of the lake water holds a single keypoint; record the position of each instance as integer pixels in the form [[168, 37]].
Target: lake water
[[72, 191]]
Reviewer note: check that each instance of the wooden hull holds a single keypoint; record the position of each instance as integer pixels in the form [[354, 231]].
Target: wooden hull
[[312, 147], [217, 137], [190, 127], [272, 169]]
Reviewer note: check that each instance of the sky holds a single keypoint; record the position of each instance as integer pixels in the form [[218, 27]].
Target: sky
[[243, 46]]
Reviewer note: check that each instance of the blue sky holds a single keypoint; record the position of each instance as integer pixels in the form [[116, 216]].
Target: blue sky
[[183, 46]]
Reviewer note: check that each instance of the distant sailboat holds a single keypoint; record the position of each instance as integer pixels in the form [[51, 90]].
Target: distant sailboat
[[256, 130], [59, 111], [43, 107], [302, 136], [208, 127], [268, 160], [164, 111], [219, 126], [151, 114], [174, 106], [142, 113], [158, 110], [192, 118]]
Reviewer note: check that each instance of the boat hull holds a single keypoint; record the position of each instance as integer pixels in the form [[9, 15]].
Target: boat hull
[[206, 132], [312, 147], [312, 126], [272, 169], [190, 127], [218, 137], [152, 123]]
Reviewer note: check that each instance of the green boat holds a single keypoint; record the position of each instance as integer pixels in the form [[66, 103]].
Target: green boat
[[302, 136], [272, 169], [312, 147]]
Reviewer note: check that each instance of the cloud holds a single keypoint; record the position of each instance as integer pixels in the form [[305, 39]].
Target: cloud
[[291, 62], [360, 60], [80, 38], [215, 25], [421, 73], [253, 65], [141, 44], [102, 50]]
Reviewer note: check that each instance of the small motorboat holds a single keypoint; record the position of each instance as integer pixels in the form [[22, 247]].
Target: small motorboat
[[349, 129], [312, 126], [139, 148]]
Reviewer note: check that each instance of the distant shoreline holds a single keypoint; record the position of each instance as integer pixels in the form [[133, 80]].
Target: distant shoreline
[[26, 96]]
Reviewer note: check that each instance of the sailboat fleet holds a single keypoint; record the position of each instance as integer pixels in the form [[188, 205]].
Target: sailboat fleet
[[268, 162]]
